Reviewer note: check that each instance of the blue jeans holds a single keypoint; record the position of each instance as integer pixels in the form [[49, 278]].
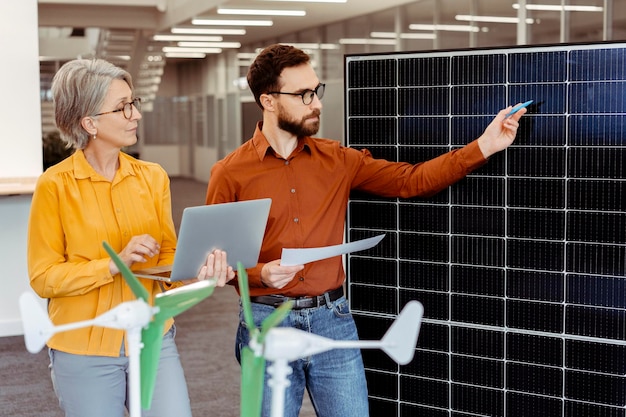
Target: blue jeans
[[335, 379], [96, 386]]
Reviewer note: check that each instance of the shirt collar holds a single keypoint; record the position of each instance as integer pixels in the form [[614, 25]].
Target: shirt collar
[[262, 145], [83, 170]]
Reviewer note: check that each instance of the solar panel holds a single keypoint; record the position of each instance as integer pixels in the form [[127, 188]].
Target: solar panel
[[521, 265]]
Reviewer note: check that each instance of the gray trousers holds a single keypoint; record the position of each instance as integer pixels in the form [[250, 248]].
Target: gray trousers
[[97, 386]]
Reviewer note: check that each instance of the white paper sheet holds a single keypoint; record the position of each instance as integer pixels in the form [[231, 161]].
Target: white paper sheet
[[302, 256]]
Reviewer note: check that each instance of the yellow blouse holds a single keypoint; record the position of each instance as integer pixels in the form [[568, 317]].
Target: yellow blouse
[[74, 209]]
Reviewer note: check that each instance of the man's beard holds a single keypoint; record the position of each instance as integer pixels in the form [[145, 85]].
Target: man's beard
[[299, 128]]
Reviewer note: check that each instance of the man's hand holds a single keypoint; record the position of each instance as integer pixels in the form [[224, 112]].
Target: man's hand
[[273, 275], [500, 133]]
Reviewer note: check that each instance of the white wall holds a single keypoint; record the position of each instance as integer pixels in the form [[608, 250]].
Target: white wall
[[14, 276], [20, 110], [20, 118]]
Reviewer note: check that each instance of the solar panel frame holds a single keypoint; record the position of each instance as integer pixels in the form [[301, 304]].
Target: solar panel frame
[[521, 266]]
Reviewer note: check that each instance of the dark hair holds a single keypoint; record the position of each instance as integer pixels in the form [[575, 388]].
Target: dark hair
[[264, 72]]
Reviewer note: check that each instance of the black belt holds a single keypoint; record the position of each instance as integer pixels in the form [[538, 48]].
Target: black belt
[[299, 303]]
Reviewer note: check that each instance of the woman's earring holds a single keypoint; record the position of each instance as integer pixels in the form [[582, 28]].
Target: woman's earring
[[94, 137]]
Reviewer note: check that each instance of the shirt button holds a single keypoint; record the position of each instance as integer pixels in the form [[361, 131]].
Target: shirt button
[[293, 191], [286, 162], [296, 220], [301, 278]]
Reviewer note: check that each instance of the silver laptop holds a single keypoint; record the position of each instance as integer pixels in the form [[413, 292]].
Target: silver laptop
[[236, 228]]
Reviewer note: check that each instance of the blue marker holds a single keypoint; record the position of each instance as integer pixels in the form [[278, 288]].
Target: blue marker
[[518, 108]]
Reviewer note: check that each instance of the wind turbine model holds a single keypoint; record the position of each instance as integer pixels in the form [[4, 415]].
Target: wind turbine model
[[143, 324], [284, 344]]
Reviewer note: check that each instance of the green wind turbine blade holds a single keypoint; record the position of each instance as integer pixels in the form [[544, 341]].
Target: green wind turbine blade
[[132, 281], [170, 304], [244, 292], [274, 319], [270, 321], [152, 340], [173, 302], [252, 383], [252, 359]]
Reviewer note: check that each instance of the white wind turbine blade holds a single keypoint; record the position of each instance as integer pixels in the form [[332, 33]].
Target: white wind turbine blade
[[399, 341], [38, 328], [37, 325]]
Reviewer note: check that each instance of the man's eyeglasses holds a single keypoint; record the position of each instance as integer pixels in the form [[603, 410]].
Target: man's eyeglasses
[[307, 95], [127, 110]]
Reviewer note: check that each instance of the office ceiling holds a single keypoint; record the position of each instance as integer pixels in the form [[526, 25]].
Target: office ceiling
[[117, 29], [160, 15], [124, 28]]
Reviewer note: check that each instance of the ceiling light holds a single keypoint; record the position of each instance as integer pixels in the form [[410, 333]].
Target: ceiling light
[[394, 35], [490, 19], [313, 1], [260, 12], [179, 38], [208, 31], [144, 81], [152, 72], [312, 45], [120, 57], [218, 22], [452, 28], [210, 44], [184, 55], [366, 41], [558, 8], [168, 49]]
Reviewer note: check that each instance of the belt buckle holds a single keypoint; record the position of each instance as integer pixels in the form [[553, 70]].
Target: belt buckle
[[300, 303], [317, 301], [320, 300], [305, 302]]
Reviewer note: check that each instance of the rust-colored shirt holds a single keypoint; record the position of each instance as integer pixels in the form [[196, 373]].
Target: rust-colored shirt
[[310, 191]]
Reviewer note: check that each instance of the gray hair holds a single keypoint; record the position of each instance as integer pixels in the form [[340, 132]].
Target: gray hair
[[78, 90]]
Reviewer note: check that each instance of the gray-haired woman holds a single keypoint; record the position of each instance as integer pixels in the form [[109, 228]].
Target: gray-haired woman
[[102, 194]]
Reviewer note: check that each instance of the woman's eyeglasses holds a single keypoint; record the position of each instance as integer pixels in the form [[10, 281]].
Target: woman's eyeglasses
[[127, 110]]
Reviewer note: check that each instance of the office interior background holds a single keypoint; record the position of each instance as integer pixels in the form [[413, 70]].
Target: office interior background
[[197, 106], [198, 109]]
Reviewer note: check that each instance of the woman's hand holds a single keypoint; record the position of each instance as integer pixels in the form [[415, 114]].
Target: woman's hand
[[216, 267], [138, 249]]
